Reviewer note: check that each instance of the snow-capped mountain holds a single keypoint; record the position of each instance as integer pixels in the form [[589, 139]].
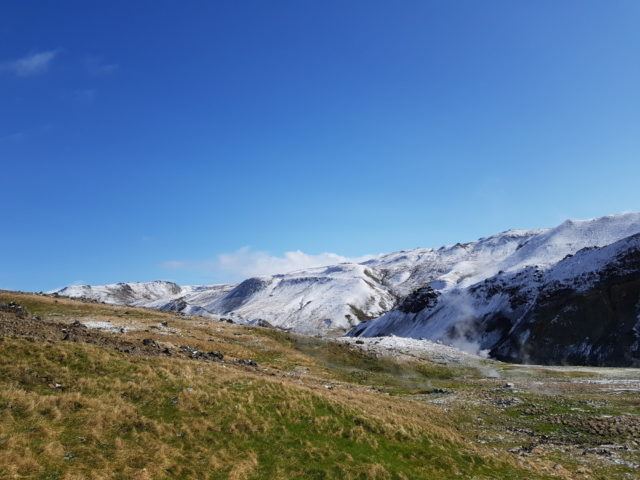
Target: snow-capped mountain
[[136, 294], [560, 297], [318, 300], [474, 294]]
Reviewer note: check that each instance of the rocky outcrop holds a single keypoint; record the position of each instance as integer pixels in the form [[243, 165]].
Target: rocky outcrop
[[595, 323], [419, 299]]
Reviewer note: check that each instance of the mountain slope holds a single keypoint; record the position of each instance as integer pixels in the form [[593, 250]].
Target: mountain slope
[[164, 397], [323, 299], [136, 294], [584, 309], [432, 293], [310, 301]]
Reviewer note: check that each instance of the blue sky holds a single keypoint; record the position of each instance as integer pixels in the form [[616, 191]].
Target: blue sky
[[201, 141]]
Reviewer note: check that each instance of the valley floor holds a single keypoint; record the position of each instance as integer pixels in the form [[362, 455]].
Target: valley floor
[[95, 391]]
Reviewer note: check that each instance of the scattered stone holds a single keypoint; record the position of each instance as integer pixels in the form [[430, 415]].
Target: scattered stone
[[618, 426], [524, 431], [263, 323], [190, 351], [439, 390], [214, 355], [506, 402], [198, 355], [15, 308], [597, 451], [522, 451], [247, 362]]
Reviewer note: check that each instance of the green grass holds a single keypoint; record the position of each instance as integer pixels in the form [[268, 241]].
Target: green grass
[[347, 364], [181, 419]]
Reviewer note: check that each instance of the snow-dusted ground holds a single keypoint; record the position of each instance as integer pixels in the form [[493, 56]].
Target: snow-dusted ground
[[107, 326], [412, 348], [616, 380], [617, 384]]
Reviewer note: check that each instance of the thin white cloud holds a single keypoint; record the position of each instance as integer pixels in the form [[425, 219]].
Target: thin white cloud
[[16, 137], [30, 65], [246, 262], [96, 66]]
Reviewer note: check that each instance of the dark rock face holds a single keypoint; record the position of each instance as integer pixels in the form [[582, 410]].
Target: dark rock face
[[359, 314], [599, 325], [239, 295], [177, 305], [174, 288], [125, 292], [424, 297]]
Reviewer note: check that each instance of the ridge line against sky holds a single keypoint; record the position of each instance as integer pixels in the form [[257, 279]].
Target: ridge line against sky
[[247, 262], [133, 134]]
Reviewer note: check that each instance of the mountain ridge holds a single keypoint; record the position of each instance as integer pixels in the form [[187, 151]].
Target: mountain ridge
[[368, 298]]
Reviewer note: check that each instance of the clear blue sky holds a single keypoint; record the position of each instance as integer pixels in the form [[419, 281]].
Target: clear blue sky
[[141, 140]]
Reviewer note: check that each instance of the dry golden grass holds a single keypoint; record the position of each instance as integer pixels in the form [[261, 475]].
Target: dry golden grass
[[76, 410]]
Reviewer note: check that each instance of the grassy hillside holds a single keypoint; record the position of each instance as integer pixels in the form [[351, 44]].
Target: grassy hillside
[[155, 400]]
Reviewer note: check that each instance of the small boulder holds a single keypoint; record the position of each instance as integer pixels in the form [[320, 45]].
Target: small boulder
[[150, 342], [248, 362]]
